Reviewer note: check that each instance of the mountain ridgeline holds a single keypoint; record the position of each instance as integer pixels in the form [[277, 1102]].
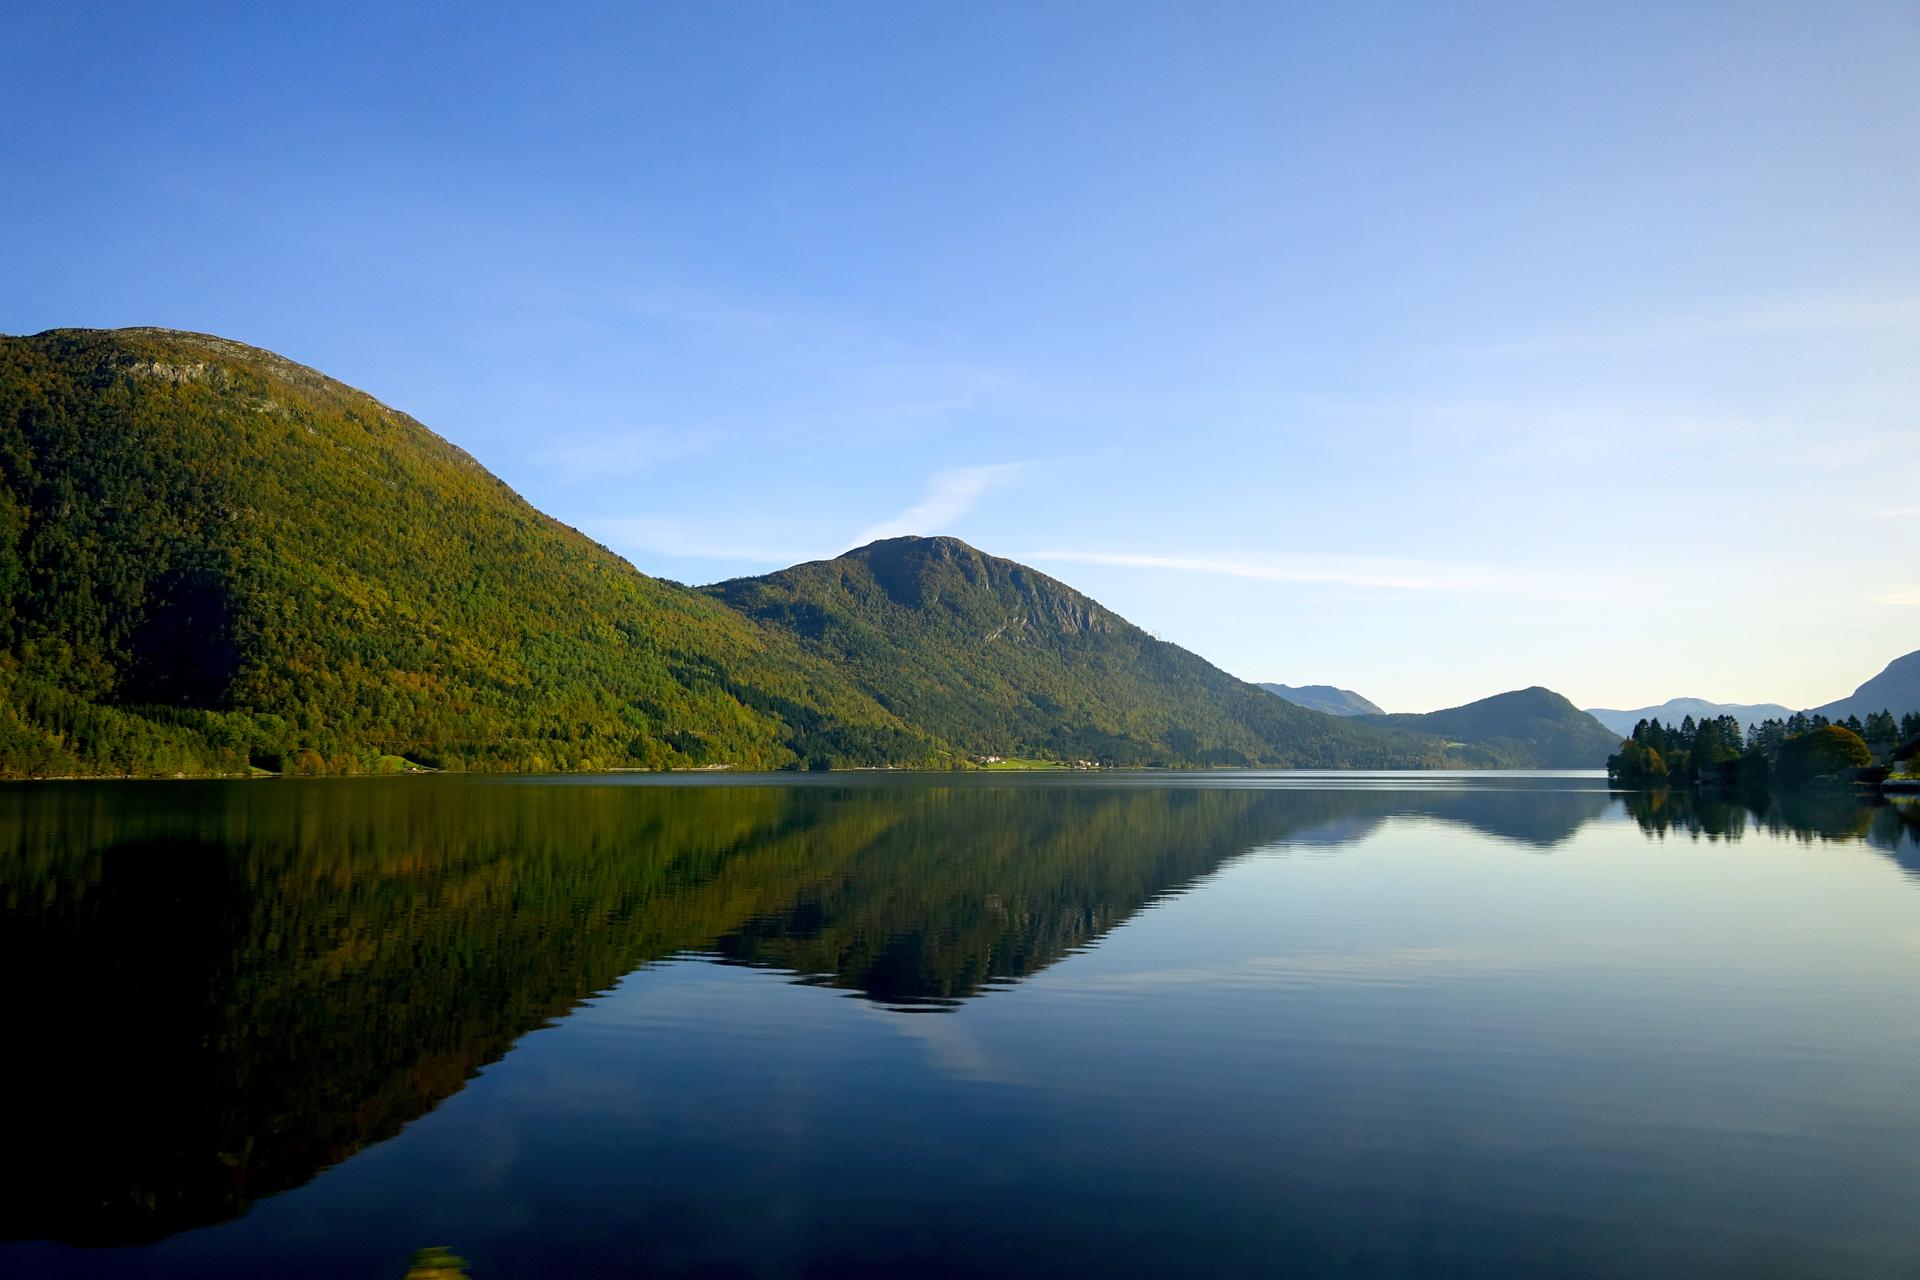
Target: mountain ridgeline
[[215, 560]]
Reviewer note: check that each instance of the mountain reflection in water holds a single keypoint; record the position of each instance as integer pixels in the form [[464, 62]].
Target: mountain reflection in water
[[235, 986]]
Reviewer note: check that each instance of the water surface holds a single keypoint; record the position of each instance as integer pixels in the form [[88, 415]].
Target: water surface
[[1340, 1025]]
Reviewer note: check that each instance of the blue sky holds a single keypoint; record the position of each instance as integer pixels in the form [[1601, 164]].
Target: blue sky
[[1429, 350]]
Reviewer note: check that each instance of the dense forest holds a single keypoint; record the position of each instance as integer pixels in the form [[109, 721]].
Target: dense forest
[[1718, 752], [216, 561]]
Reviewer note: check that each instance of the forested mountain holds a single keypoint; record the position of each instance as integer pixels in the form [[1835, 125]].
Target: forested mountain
[[213, 559], [1674, 710], [210, 555], [1528, 728], [1324, 697], [998, 658], [1896, 689]]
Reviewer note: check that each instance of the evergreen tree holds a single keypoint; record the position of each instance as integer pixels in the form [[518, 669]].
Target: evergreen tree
[[1881, 732]]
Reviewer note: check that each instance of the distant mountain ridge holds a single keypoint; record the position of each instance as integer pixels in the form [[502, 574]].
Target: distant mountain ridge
[[1527, 728], [1895, 689], [1325, 697], [1674, 710]]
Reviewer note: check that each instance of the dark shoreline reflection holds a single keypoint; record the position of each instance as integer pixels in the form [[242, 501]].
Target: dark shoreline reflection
[[237, 986], [1889, 826], [240, 985]]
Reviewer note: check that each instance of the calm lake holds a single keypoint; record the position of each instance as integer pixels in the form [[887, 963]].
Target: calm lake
[[971, 1025]]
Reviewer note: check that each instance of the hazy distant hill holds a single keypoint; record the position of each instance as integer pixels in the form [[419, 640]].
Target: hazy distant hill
[[1528, 728], [211, 554], [1674, 710], [1324, 697], [1896, 689], [1001, 659]]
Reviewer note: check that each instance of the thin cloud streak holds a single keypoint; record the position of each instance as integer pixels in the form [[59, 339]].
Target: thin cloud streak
[[949, 496], [1343, 571], [1795, 317], [627, 453]]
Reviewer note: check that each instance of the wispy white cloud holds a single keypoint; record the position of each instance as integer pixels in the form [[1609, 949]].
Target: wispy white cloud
[[604, 455], [951, 1048], [1795, 317], [685, 541], [1898, 513], [949, 496], [1403, 966], [1907, 593], [807, 374], [1543, 434], [1378, 573]]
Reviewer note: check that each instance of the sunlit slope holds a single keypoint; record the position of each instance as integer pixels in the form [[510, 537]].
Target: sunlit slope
[[210, 554], [1000, 659]]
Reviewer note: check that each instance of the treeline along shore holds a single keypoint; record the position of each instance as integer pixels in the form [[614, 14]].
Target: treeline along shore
[[1803, 750]]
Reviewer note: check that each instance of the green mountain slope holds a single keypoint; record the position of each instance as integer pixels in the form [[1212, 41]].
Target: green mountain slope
[[1526, 729], [997, 658], [211, 555]]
